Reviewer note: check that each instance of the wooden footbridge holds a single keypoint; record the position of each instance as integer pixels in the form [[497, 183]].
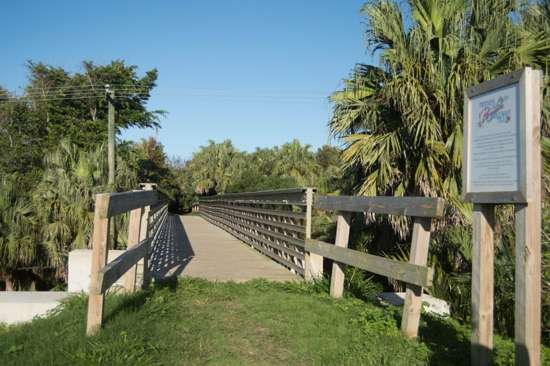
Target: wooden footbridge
[[242, 236]]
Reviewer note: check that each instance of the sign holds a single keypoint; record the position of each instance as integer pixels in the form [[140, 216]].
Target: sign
[[496, 144]]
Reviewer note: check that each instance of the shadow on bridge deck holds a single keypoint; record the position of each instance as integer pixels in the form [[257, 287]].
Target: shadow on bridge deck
[[191, 246]]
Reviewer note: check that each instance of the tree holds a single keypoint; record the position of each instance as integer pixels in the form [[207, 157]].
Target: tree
[[17, 232], [401, 120], [74, 106], [298, 162], [214, 166]]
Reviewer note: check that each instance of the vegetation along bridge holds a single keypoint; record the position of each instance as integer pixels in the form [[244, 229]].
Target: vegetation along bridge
[[243, 236]]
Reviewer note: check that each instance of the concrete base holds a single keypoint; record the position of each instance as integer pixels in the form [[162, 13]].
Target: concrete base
[[80, 264], [430, 304], [23, 306]]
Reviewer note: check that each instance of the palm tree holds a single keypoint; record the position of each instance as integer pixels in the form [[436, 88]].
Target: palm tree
[[215, 166], [65, 196], [17, 232], [401, 120], [297, 161]]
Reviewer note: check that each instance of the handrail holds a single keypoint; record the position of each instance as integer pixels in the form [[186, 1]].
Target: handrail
[[404, 206], [273, 222], [415, 273], [148, 210]]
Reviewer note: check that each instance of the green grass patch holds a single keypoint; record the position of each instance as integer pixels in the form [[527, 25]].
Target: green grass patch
[[195, 322]]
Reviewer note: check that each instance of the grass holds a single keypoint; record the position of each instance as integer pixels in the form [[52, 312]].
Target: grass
[[195, 322]]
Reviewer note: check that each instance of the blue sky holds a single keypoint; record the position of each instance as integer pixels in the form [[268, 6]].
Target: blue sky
[[256, 72]]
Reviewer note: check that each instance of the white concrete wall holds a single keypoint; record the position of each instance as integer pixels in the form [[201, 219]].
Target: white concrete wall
[[80, 264], [22, 306]]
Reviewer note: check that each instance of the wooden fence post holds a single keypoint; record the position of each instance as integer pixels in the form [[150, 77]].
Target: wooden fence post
[[482, 284], [313, 263], [419, 256], [134, 231], [342, 237], [146, 279], [100, 248], [528, 219]]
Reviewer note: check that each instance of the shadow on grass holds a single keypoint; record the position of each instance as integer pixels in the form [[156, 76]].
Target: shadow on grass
[[448, 344], [134, 302]]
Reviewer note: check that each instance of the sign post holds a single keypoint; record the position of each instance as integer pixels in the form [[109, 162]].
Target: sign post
[[502, 165]]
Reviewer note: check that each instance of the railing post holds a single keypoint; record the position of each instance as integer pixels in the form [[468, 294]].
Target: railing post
[[342, 238], [100, 248], [313, 263], [482, 284], [419, 256], [134, 231], [144, 233]]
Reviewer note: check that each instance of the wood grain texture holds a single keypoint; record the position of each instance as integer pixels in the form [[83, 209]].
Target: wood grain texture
[[342, 237], [126, 201], [100, 238], [402, 271], [313, 262], [134, 224], [528, 234], [110, 273], [413, 296], [482, 284], [408, 206]]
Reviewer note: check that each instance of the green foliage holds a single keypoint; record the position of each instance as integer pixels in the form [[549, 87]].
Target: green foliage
[[17, 231], [220, 168], [52, 93], [401, 123], [196, 322]]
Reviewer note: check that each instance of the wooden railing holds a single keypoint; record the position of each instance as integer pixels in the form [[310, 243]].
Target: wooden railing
[[276, 223], [148, 210], [415, 273]]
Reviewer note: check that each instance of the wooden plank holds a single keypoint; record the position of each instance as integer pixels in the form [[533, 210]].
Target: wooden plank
[[126, 201], [254, 236], [528, 233], [313, 262], [129, 280], [144, 234], [290, 194], [100, 241], [408, 206], [342, 238], [289, 227], [267, 212], [110, 273], [413, 296], [257, 202], [402, 271], [236, 233], [482, 284], [274, 234]]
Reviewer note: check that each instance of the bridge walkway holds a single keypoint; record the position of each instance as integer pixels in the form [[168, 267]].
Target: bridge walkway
[[191, 246]]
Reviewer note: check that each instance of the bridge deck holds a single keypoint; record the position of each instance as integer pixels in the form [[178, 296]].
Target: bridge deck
[[191, 246]]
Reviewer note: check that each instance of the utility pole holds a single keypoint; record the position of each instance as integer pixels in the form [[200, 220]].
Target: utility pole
[[111, 136]]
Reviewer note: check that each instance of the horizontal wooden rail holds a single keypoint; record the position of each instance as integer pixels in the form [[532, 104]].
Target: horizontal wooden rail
[[273, 222], [262, 230], [147, 210], [119, 203], [109, 274], [281, 225], [415, 274], [402, 271], [266, 212], [406, 206], [278, 195]]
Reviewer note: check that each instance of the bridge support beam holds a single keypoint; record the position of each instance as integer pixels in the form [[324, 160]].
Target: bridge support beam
[[313, 263]]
